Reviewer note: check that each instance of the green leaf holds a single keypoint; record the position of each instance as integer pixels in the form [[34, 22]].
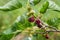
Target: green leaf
[[21, 23], [6, 37], [34, 2], [54, 22], [44, 7]]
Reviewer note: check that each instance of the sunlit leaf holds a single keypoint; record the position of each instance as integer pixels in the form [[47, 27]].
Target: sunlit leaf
[[54, 6], [12, 5]]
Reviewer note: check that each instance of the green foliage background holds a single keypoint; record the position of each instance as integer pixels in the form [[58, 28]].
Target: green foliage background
[[7, 18]]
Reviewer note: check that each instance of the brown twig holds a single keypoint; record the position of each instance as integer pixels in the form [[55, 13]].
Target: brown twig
[[53, 31]]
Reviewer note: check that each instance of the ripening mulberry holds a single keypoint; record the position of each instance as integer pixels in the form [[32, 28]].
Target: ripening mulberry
[[37, 21], [31, 19]]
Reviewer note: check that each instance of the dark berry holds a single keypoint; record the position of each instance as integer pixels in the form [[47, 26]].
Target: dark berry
[[31, 19], [47, 36], [37, 21], [39, 25]]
